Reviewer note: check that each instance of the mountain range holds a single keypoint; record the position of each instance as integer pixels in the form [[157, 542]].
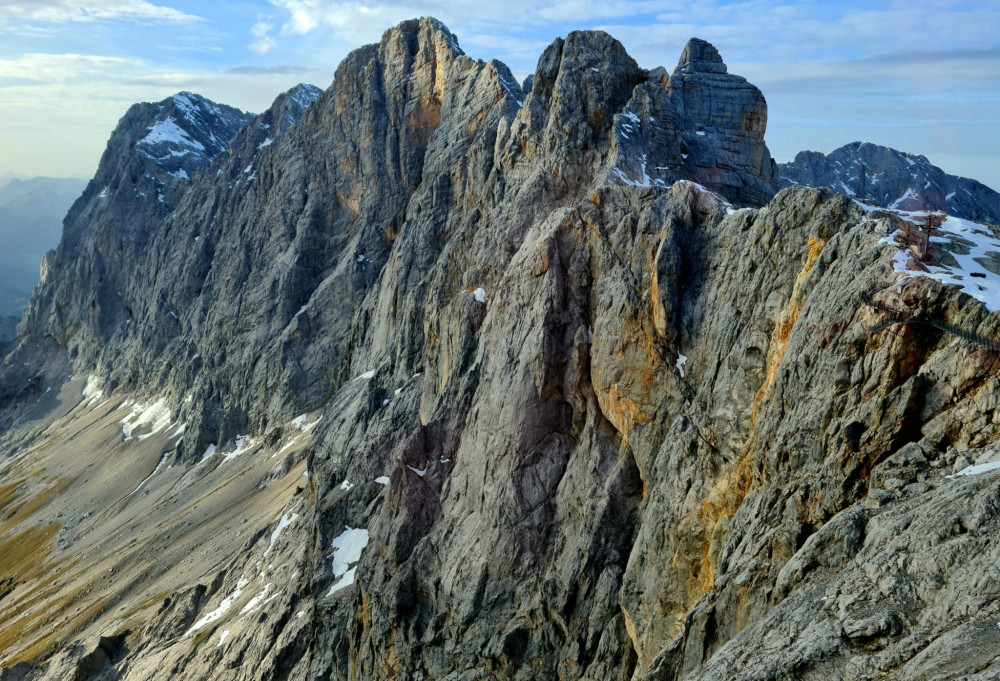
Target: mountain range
[[885, 177], [438, 375]]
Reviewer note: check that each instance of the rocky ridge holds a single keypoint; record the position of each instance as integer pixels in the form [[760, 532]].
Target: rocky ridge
[[454, 381], [894, 179]]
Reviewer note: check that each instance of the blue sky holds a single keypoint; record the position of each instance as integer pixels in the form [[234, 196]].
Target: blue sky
[[922, 76]]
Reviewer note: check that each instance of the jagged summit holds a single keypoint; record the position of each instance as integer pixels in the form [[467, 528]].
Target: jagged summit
[[289, 107], [423, 33], [186, 131], [700, 56], [892, 179]]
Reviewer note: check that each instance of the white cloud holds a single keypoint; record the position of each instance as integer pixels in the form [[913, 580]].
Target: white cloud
[[357, 20], [264, 45], [57, 68], [261, 28], [62, 11], [305, 16]]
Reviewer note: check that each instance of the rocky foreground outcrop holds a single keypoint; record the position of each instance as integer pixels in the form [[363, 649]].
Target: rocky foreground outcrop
[[894, 179], [446, 380]]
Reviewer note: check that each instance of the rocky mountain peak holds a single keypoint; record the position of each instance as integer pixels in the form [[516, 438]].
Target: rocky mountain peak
[[578, 85], [288, 108], [185, 131], [414, 37], [882, 176], [700, 56]]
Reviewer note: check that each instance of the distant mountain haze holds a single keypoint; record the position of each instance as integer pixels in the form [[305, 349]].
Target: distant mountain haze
[[7, 177], [31, 215]]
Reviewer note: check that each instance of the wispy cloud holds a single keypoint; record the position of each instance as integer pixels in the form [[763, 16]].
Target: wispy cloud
[[59, 68], [261, 31], [63, 11], [264, 45], [273, 70]]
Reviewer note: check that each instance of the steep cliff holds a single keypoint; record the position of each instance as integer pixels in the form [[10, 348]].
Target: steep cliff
[[446, 380]]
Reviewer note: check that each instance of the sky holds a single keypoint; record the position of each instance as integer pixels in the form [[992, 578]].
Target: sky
[[922, 76]]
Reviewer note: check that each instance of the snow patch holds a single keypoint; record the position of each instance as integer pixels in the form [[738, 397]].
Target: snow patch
[[302, 422], [347, 548], [91, 391], [479, 294], [255, 601], [977, 470], [343, 582], [155, 415], [285, 521], [681, 361], [265, 143], [382, 480], [244, 443], [908, 194], [224, 606], [644, 182], [166, 455], [170, 133], [974, 243]]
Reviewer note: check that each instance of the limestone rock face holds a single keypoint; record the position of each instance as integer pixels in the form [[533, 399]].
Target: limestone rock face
[[699, 57], [724, 119], [702, 124], [894, 179], [449, 380]]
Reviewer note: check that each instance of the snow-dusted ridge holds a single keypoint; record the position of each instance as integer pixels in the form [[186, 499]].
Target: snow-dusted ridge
[[967, 255]]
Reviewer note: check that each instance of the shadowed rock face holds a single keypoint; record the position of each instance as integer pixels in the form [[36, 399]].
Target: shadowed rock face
[[893, 178], [436, 378]]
